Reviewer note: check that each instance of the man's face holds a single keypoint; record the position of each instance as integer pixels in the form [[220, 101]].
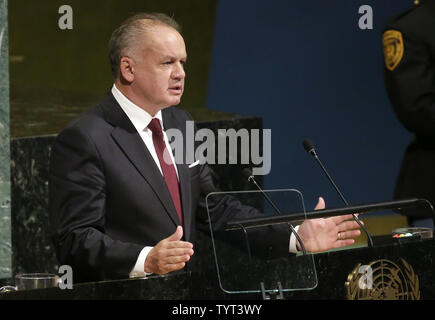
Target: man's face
[[158, 67]]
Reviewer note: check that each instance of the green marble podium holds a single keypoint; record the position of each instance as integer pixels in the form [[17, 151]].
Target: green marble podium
[[5, 209]]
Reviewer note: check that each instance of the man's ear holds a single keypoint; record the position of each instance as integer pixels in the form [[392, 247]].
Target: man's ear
[[126, 69]]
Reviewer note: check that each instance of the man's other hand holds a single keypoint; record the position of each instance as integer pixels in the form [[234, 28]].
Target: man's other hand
[[170, 254]]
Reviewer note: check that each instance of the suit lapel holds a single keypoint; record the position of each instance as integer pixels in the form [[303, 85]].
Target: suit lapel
[[130, 142]]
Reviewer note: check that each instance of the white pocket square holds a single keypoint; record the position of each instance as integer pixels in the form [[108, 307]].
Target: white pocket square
[[194, 164]]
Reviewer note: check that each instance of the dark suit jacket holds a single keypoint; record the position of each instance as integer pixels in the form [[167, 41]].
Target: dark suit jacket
[[411, 88], [108, 199]]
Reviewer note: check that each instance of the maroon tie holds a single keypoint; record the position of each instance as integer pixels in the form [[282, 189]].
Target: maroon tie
[[167, 166]]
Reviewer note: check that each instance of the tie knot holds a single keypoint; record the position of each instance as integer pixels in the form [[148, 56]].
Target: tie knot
[[155, 127]]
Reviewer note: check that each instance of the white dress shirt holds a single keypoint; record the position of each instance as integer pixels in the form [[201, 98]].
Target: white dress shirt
[[140, 119]]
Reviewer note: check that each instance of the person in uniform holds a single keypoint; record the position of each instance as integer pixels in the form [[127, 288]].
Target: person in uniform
[[409, 72]]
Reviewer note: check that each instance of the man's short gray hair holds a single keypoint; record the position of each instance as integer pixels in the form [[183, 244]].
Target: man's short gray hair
[[127, 34]]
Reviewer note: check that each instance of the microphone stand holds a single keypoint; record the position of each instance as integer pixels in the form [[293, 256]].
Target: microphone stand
[[314, 154], [252, 179]]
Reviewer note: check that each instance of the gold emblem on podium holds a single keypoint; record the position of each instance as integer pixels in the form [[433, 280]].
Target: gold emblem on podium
[[383, 280], [392, 42]]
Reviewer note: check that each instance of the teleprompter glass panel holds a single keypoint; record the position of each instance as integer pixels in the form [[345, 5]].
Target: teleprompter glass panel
[[252, 247]]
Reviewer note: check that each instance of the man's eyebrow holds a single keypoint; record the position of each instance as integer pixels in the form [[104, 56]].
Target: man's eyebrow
[[167, 57], [173, 58]]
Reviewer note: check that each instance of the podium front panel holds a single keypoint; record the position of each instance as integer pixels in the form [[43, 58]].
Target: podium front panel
[[262, 259]]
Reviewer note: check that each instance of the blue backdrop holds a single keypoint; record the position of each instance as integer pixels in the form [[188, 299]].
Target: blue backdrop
[[309, 71]]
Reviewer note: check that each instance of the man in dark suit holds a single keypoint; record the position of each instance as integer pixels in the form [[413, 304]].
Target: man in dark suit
[[119, 206], [409, 72]]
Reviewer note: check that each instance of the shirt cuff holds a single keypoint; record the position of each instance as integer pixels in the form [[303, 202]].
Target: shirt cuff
[[292, 245], [138, 270]]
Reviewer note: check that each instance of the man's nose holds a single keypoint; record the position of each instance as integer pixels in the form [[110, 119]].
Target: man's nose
[[179, 72]]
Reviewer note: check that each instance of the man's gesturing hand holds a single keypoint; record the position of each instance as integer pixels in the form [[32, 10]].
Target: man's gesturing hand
[[328, 233], [170, 254]]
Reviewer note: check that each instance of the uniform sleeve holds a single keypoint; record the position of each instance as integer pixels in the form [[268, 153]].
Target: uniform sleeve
[[410, 81]]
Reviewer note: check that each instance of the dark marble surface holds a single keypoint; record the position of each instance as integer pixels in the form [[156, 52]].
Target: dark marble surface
[[333, 269], [172, 287], [32, 249]]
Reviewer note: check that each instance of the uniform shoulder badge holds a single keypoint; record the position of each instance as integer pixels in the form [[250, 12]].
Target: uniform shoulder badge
[[392, 43]]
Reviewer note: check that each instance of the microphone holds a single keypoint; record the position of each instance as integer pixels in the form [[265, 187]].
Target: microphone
[[248, 173], [309, 147]]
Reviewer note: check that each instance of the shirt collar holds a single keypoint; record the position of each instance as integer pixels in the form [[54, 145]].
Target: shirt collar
[[138, 116]]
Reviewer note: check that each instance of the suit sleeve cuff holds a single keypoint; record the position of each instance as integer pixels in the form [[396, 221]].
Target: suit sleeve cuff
[[292, 245], [138, 269]]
